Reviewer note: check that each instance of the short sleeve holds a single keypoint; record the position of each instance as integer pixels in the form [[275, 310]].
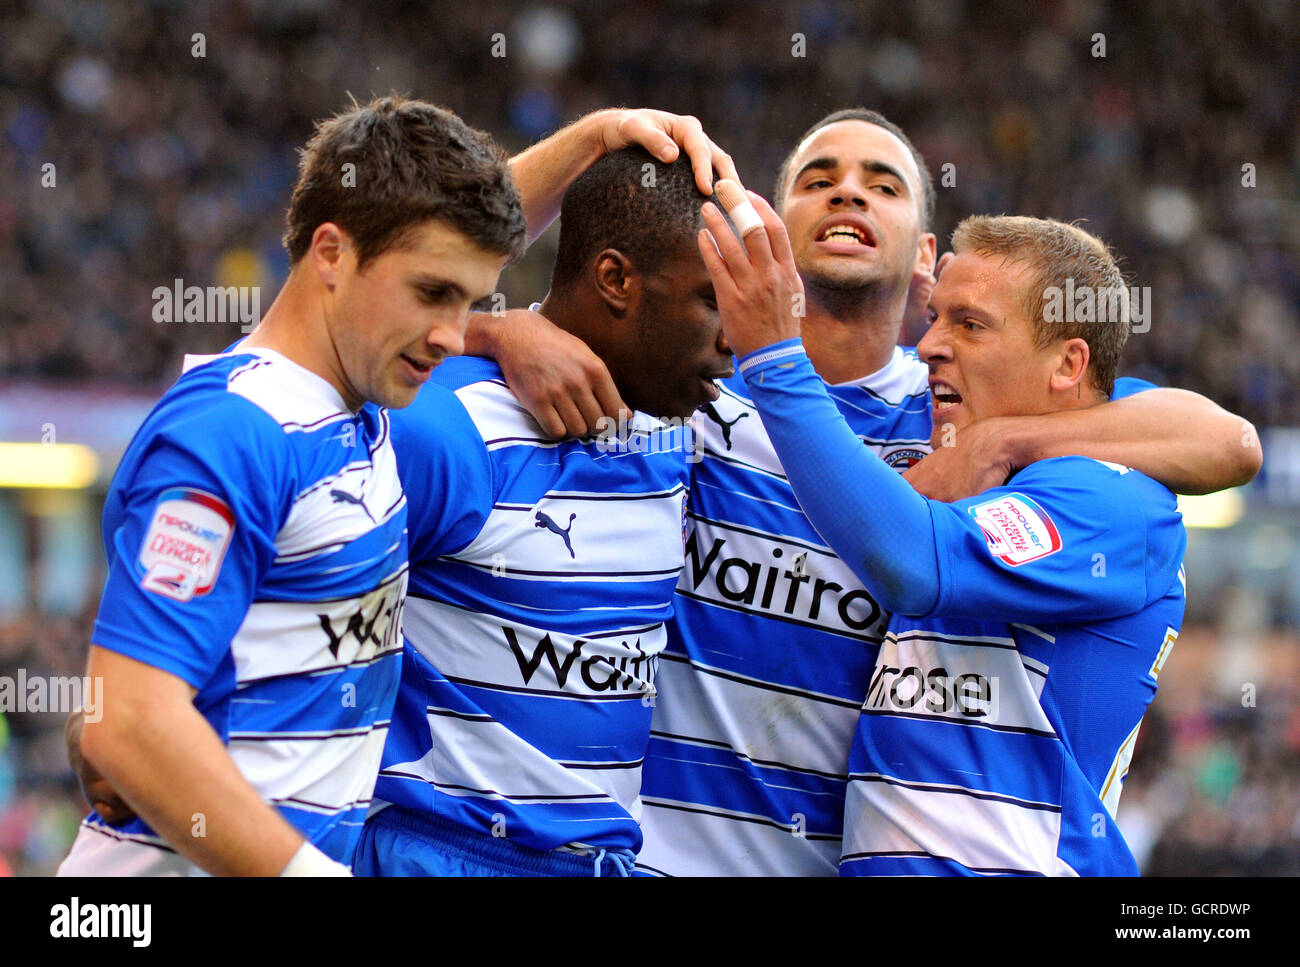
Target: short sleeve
[[445, 471], [194, 533], [1069, 539]]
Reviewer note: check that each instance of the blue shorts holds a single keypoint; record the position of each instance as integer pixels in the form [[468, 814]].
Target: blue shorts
[[399, 842]]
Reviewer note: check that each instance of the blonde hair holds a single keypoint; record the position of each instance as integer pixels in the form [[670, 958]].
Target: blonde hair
[[1063, 258]]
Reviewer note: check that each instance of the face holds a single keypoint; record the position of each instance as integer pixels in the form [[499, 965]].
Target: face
[[980, 345], [853, 208], [679, 349], [397, 318]]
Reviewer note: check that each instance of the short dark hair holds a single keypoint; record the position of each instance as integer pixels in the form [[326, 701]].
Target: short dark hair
[[879, 120], [630, 201], [413, 161]]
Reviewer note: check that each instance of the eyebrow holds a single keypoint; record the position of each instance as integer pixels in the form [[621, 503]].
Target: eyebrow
[[828, 163], [453, 288], [961, 309]]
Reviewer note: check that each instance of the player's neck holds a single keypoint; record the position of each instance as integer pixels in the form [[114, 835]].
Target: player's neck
[[1080, 397], [578, 316], [848, 335], [294, 327], [581, 313], [554, 307]]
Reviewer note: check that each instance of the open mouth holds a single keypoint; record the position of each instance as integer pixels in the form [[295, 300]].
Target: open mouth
[[420, 369], [847, 233], [711, 390], [944, 396]]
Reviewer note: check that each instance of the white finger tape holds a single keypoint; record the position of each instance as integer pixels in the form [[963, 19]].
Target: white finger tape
[[739, 208]]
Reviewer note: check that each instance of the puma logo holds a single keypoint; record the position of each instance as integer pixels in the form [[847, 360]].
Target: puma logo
[[343, 497], [726, 425], [544, 521]]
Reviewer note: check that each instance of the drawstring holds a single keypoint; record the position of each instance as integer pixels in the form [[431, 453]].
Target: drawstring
[[622, 860]]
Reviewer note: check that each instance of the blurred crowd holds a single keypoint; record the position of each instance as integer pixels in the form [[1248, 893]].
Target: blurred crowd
[[146, 142], [40, 803], [1214, 789], [1170, 126]]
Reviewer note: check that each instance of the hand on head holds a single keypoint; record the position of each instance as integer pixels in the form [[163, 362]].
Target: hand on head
[[760, 295]]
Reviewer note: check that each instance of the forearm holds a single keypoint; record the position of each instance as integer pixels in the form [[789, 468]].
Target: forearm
[[483, 334], [168, 764], [1174, 436], [866, 512], [556, 376], [544, 172]]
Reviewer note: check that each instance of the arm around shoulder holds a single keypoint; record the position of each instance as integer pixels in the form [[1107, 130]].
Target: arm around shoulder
[[1180, 438]]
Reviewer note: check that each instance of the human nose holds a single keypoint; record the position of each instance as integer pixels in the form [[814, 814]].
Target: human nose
[[723, 345], [849, 192], [450, 339], [933, 347]]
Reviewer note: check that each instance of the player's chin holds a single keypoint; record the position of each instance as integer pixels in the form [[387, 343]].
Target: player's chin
[[707, 392], [699, 392], [947, 421], [402, 383], [842, 273], [395, 394], [682, 405]]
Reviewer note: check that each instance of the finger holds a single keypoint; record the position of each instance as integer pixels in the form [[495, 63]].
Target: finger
[[747, 222], [722, 162], [689, 133], [733, 252], [724, 284], [607, 396], [943, 261], [778, 238], [575, 424], [548, 419], [594, 393], [590, 410], [642, 128]]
